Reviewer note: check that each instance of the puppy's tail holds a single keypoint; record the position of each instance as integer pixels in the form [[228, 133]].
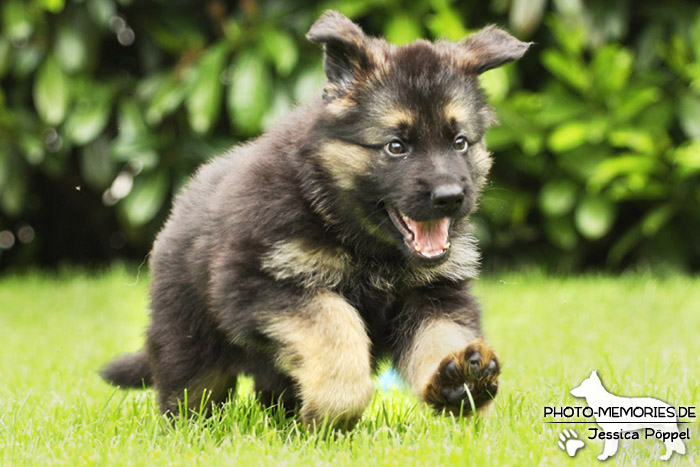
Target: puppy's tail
[[128, 371]]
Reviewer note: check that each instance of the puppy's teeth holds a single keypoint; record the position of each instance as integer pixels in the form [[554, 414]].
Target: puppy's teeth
[[447, 245], [417, 248]]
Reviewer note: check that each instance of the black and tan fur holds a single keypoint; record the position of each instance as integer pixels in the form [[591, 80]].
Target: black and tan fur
[[280, 260]]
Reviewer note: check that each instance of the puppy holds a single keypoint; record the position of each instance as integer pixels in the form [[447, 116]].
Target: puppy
[[337, 238]]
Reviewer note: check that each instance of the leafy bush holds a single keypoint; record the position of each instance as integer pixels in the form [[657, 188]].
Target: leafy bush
[[603, 157], [107, 107]]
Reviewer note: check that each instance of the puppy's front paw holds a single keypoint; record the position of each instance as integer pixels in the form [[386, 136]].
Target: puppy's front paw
[[473, 371]]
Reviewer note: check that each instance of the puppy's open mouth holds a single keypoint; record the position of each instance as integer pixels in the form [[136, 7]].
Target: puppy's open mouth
[[428, 239]]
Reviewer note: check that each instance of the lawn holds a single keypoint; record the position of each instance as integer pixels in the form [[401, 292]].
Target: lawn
[[641, 333]]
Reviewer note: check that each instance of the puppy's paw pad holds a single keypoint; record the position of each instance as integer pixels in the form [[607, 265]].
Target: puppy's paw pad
[[471, 372]]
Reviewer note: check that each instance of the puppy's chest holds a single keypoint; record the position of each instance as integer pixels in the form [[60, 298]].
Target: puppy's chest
[[376, 307]]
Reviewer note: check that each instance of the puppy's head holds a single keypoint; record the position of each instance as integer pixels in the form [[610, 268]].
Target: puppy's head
[[404, 129]]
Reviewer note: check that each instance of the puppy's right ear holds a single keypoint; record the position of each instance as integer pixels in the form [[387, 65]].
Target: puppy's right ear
[[345, 46], [490, 48]]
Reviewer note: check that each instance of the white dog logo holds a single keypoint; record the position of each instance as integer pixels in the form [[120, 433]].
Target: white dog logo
[[607, 408]]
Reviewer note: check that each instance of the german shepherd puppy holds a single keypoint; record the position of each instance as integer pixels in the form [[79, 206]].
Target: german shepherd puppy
[[335, 239]]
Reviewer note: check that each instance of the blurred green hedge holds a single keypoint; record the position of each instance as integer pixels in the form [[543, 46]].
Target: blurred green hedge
[[107, 106]]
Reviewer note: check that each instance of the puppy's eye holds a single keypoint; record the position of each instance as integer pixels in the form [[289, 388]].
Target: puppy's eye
[[396, 148], [460, 144]]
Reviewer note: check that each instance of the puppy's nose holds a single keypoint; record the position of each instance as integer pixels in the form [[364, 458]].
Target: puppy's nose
[[448, 198]]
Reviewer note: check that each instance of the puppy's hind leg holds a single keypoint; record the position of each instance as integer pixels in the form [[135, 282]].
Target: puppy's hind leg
[[187, 376], [274, 389], [190, 358], [325, 349]]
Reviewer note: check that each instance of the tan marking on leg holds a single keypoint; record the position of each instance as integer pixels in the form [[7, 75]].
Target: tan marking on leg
[[327, 351], [434, 341]]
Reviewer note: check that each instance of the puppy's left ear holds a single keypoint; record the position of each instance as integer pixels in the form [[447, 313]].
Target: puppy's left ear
[[345, 45], [490, 48]]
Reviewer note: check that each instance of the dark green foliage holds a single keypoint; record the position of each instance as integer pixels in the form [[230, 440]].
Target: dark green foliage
[[598, 163], [107, 106]]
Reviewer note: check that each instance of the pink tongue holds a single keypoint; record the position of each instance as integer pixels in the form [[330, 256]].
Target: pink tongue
[[430, 236]]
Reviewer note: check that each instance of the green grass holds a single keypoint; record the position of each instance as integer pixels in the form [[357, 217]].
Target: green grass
[[641, 333]]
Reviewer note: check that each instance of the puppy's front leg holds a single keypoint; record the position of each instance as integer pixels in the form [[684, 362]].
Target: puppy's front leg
[[441, 353], [325, 348]]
